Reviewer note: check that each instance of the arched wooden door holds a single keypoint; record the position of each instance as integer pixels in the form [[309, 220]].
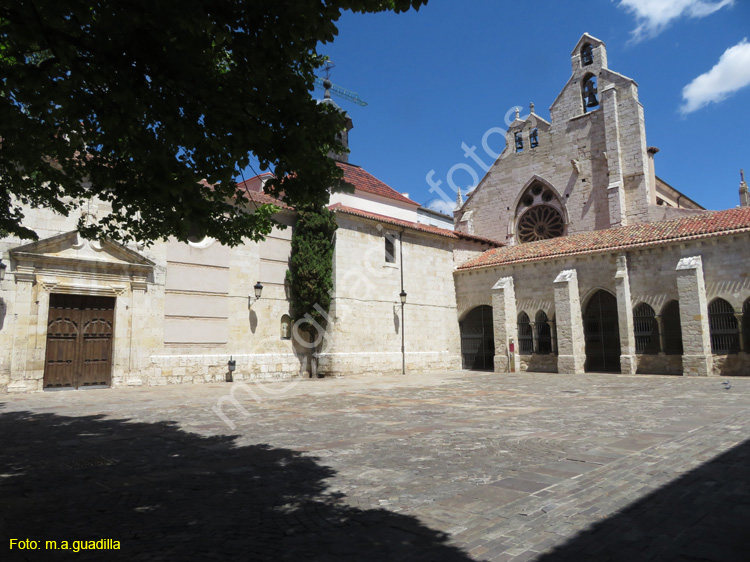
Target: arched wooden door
[[478, 340], [602, 333], [79, 341]]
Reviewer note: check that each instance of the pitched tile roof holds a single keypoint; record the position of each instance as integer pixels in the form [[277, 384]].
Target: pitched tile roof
[[704, 225], [368, 183], [339, 208]]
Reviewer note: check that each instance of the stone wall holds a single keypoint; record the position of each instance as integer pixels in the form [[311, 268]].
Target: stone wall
[[653, 279], [595, 161], [365, 332]]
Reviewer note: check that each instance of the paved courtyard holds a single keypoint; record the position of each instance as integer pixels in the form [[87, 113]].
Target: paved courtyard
[[448, 466]]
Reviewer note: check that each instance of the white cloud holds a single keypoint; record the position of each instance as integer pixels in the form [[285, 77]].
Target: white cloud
[[729, 75], [655, 15], [445, 207]]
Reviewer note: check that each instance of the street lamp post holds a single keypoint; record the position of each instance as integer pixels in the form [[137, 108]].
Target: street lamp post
[[402, 294]]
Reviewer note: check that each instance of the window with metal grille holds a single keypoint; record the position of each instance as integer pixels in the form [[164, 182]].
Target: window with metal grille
[[390, 251], [645, 329], [745, 323], [670, 323], [525, 335], [725, 337], [543, 333]]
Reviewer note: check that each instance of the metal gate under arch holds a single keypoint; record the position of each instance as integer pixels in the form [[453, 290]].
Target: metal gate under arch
[[602, 333], [478, 340]]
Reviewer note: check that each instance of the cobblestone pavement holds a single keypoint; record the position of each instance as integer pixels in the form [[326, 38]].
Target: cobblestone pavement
[[448, 466]]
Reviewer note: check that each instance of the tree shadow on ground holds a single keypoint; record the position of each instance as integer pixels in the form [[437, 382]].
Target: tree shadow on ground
[[167, 494], [701, 516]]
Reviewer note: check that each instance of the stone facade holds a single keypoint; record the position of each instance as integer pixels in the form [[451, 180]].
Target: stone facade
[[616, 298], [591, 164], [183, 310], [694, 274]]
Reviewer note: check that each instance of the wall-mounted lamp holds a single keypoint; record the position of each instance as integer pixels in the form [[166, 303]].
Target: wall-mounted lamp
[[258, 290], [3, 267], [231, 368]]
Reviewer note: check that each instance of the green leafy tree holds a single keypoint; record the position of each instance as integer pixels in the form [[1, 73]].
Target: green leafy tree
[[310, 274], [154, 108]]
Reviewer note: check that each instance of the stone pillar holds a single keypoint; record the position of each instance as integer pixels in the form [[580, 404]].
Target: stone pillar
[[616, 188], [625, 318], [553, 336], [696, 340], [534, 338], [570, 343], [24, 324], [741, 330], [504, 324], [662, 339]]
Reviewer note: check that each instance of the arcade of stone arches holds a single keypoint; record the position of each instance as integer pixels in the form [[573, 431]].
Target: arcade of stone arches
[[654, 333]]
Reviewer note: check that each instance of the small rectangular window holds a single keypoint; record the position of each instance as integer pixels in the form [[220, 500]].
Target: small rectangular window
[[519, 142], [390, 251]]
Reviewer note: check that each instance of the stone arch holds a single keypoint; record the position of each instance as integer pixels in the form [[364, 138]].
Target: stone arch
[[590, 92], [538, 179], [477, 339], [539, 212], [543, 332], [285, 327], [525, 334], [587, 54], [601, 332], [645, 329], [672, 328], [723, 328]]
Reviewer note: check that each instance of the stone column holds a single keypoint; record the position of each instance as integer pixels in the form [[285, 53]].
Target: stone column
[[696, 341], [570, 343], [504, 324], [534, 338], [553, 336], [662, 340], [741, 330], [625, 318]]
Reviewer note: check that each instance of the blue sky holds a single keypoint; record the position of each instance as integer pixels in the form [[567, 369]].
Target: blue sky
[[444, 75]]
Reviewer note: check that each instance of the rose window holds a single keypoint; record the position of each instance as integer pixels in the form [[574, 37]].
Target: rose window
[[540, 223]]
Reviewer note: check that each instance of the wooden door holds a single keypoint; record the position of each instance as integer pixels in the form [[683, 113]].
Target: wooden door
[[79, 341]]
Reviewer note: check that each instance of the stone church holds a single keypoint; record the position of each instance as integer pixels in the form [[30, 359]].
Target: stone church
[[605, 267], [570, 256]]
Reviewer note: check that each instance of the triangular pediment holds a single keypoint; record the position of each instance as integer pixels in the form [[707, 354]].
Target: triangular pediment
[[586, 38], [70, 246]]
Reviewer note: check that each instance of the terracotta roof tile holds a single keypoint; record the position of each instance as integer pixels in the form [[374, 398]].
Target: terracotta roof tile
[[339, 208], [365, 181], [704, 225]]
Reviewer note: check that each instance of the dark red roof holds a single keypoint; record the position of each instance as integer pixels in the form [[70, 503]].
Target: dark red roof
[[704, 225], [339, 208], [368, 183]]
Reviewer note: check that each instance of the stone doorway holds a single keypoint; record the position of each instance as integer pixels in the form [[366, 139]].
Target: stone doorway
[[79, 341], [478, 340], [602, 333]]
